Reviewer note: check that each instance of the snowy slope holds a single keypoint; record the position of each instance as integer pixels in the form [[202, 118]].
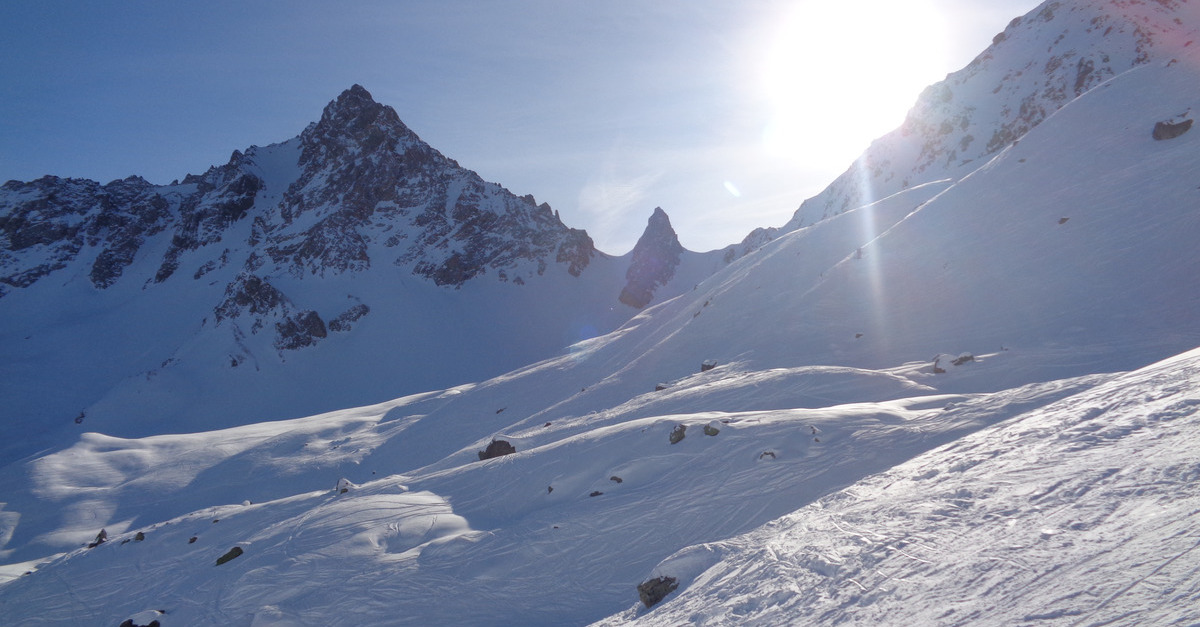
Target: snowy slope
[[449, 542], [1082, 512], [1041, 62]]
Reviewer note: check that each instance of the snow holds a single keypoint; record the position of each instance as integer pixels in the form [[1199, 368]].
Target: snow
[[827, 474], [1080, 512], [449, 540]]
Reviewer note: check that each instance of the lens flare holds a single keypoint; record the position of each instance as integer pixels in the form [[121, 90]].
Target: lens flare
[[841, 74]]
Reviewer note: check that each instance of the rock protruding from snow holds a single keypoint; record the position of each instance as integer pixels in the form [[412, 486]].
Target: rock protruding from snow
[[497, 448], [655, 257], [1171, 129], [230, 555], [654, 590]]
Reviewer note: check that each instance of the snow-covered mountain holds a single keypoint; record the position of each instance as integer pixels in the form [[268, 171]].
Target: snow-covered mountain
[[1038, 64], [971, 400], [352, 263]]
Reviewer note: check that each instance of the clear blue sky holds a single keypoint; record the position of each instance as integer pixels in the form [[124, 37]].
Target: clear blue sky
[[603, 109]]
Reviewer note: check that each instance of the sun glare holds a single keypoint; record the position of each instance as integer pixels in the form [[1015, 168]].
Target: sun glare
[[839, 74]]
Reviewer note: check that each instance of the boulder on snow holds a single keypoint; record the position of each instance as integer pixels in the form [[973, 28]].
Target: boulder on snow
[[677, 434], [1170, 130], [344, 485], [149, 618], [101, 538], [654, 590], [708, 364], [962, 359], [229, 555], [496, 449], [712, 428]]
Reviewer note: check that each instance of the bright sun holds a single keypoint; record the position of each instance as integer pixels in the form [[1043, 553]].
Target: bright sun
[[840, 74]]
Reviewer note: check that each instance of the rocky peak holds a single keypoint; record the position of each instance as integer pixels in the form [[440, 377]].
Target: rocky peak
[[655, 257], [354, 123]]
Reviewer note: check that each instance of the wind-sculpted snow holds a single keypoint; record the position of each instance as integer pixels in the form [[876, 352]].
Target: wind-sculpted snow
[[1079, 513], [556, 533]]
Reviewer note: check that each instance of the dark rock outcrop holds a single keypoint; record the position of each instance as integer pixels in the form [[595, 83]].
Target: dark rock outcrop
[[655, 257], [229, 555], [101, 538], [250, 294], [496, 449], [1170, 130], [343, 321], [652, 591], [299, 330]]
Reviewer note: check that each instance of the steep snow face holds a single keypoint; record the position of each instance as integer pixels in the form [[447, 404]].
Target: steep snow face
[[1080, 512], [1042, 61]]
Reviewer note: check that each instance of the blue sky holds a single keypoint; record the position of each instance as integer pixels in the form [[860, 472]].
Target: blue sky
[[603, 109]]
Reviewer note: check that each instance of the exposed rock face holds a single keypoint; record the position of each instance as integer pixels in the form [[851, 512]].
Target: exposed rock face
[[345, 320], [655, 257], [251, 294], [365, 183], [222, 197], [364, 172], [299, 330], [363, 189], [45, 223]]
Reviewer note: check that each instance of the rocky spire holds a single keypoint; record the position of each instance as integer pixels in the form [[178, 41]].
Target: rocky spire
[[654, 260]]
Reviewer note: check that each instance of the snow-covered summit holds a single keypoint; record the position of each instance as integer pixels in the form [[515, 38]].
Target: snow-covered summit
[[287, 280]]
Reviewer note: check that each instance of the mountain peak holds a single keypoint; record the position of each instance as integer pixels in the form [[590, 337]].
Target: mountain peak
[[354, 119], [356, 108], [655, 257]]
